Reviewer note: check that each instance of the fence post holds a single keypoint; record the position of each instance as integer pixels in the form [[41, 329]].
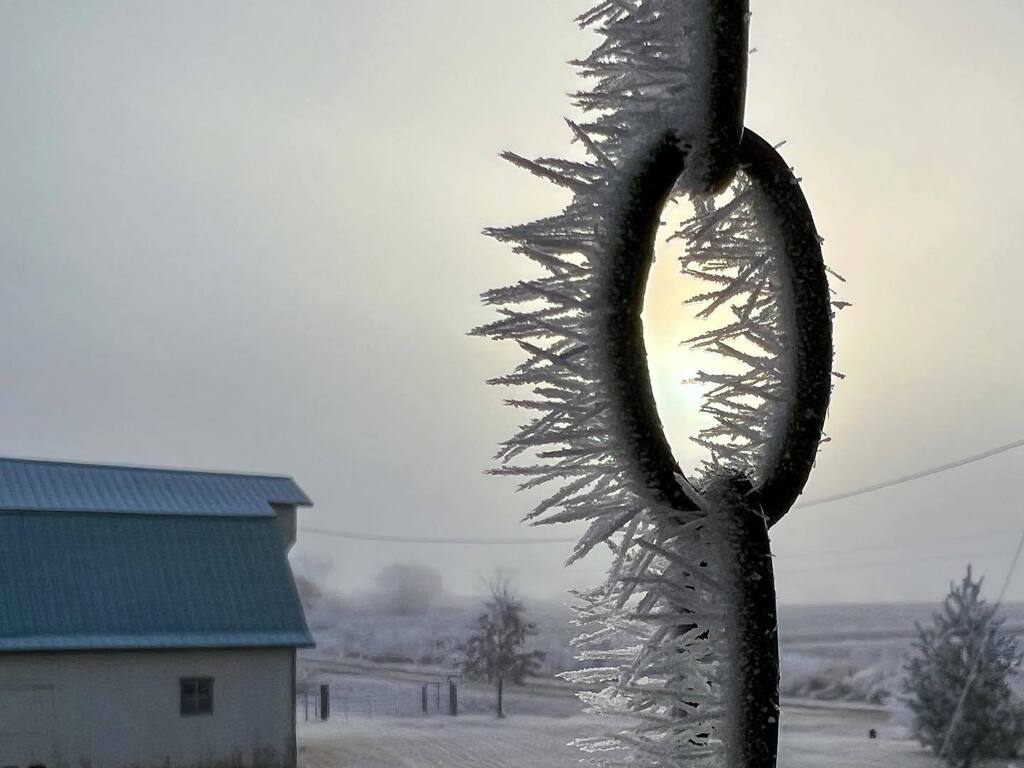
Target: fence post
[[423, 698], [453, 698], [325, 702]]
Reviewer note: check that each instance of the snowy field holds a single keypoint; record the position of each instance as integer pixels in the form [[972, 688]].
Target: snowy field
[[850, 653], [841, 654], [811, 738]]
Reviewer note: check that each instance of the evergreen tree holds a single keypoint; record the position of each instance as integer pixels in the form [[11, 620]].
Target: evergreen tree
[[494, 650], [956, 681]]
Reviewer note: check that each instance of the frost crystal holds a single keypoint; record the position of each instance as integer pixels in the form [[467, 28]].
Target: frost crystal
[[659, 646], [731, 248]]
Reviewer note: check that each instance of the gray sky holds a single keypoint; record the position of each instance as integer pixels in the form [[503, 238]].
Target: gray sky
[[246, 236]]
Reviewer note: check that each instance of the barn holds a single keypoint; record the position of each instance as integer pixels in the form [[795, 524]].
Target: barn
[[148, 617]]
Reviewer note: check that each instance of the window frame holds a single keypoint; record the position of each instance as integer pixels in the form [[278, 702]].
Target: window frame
[[191, 697]]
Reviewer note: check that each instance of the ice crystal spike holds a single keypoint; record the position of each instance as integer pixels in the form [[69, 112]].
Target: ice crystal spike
[[669, 637]]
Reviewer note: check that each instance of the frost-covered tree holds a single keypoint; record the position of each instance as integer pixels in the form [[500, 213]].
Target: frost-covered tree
[[957, 681], [495, 651]]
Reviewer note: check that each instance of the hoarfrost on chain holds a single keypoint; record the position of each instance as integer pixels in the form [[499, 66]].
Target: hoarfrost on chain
[[656, 632]]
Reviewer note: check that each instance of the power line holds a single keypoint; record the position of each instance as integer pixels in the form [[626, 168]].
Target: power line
[[898, 544], [890, 563], [355, 536], [517, 540], [360, 536], [914, 476]]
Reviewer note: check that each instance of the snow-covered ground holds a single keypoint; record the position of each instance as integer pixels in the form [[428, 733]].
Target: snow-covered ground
[[378, 663], [811, 738], [837, 653]]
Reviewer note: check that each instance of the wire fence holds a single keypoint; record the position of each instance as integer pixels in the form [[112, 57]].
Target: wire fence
[[375, 699], [375, 694]]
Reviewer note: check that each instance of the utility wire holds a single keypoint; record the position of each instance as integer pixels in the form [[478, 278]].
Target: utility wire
[[889, 563], [915, 476], [362, 536], [352, 535], [359, 536], [898, 544]]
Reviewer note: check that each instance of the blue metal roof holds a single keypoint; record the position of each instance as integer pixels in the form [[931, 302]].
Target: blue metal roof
[[104, 581], [30, 485]]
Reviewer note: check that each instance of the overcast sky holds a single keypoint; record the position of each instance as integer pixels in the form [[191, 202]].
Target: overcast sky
[[245, 235]]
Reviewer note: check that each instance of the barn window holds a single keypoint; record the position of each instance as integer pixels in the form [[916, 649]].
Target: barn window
[[196, 696]]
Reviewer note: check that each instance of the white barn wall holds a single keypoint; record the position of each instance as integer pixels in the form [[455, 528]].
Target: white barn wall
[[120, 709], [285, 517]]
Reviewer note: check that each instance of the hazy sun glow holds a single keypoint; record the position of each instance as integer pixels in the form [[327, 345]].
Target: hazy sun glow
[[667, 323]]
